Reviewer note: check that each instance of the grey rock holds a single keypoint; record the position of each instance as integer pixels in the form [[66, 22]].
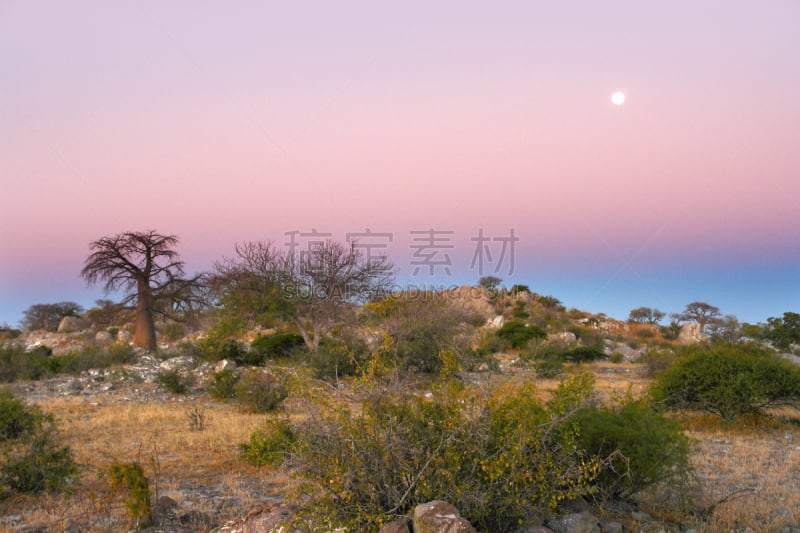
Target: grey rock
[[639, 516], [196, 519], [165, 510], [267, 519], [582, 522], [178, 364], [224, 364], [439, 517], [103, 338], [124, 336], [611, 526], [403, 525], [567, 337]]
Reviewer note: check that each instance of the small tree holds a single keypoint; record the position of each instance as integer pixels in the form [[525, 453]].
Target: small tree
[[314, 290], [490, 283], [146, 266]]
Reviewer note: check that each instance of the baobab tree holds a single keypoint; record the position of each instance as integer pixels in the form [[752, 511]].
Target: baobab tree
[[145, 266], [700, 312]]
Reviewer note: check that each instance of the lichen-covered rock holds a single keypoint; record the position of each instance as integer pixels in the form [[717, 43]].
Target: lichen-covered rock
[[440, 517], [71, 324]]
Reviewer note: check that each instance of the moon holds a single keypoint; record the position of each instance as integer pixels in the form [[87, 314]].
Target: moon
[[618, 98]]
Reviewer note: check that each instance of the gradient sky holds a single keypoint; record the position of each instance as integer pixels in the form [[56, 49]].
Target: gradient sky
[[229, 121]]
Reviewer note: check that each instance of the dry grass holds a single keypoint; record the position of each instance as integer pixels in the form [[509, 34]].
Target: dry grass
[[748, 474], [179, 460]]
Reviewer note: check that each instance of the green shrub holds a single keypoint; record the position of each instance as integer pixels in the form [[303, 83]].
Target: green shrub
[[277, 345], [587, 336], [260, 392], [217, 349], [518, 334], [502, 461], [95, 357], [616, 357], [173, 331], [520, 311], [338, 357], [271, 444], [129, 477], [728, 380], [550, 367], [581, 354], [16, 363], [636, 446], [656, 363], [174, 382], [8, 333], [224, 384], [33, 461], [16, 418]]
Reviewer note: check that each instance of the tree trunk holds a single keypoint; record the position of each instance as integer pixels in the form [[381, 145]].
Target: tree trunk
[[304, 333], [144, 333]]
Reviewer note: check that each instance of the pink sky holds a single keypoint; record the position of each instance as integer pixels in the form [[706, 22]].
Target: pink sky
[[221, 123]]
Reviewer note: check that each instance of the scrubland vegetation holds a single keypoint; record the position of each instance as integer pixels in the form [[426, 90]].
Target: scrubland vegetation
[[357, 405]]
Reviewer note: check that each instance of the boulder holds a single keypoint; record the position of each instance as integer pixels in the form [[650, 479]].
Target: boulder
[[473, 299], [124, 336], [71, 324], [224, 364], [496, 322], [403, 525], [439, 517], [691, 334], [567, 337], [103, 338]]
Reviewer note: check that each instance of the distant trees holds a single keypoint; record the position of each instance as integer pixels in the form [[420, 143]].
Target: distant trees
[[146, 266], [313, 289], [48, 316], [646, 315]]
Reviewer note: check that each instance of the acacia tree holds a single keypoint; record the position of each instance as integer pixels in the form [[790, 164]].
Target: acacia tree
[[48, 316], [646, 315], [144, 265], [314, 290]]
